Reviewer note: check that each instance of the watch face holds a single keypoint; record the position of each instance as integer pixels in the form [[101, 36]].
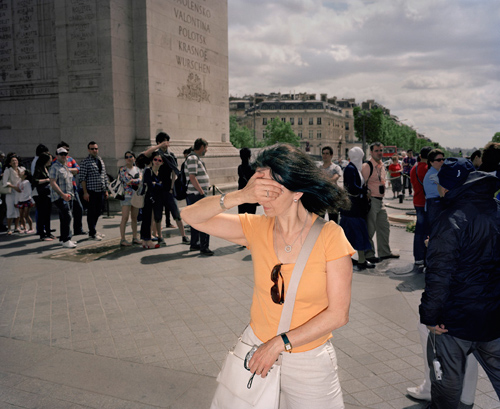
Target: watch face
[[288, 347]]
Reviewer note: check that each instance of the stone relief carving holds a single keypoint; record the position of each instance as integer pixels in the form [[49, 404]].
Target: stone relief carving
[[193, 90]]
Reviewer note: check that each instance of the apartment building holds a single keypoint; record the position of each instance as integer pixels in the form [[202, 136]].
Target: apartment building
[[318, 123]]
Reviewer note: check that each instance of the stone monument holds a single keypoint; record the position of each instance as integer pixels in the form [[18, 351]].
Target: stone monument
[[116, 72]]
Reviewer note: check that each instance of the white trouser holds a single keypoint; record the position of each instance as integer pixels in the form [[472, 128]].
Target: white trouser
[[12, 210], [471, 370], [308, 379]]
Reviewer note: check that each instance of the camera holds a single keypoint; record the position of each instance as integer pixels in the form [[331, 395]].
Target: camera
[[381, 189], [249, 356], [437, 369]]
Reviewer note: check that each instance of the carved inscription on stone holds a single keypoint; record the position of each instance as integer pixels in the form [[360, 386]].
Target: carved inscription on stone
[[83, 51], [19, 40], [192, 51]]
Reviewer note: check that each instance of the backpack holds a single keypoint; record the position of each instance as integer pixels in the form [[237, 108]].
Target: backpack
[[181, 183]]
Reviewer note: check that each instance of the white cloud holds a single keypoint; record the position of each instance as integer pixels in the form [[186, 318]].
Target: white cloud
[[435, 62]]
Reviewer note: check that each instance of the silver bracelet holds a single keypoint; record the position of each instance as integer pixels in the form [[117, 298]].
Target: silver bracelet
[[221, 202]]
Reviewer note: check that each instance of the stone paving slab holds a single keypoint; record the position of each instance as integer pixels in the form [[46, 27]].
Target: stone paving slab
[[127, 327]]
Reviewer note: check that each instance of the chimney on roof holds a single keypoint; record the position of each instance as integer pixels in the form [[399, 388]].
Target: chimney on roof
[[323, 97]]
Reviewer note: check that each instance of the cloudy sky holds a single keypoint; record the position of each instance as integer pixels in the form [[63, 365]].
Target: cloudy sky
[[434, 63]]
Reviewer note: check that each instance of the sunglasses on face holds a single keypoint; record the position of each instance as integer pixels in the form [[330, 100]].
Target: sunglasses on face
[[275, 292], [438, 160], [62, 154], [94, 149], [157, 160], [129, 157]]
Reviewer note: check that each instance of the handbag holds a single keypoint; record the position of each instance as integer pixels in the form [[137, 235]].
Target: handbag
[[116, 189], [238, 388], [137, 200], [5, 190]]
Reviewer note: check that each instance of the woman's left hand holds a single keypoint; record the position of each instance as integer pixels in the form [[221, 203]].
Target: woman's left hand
[[265, 357]]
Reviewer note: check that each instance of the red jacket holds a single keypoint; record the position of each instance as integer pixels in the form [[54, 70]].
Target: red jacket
[[418, 183]]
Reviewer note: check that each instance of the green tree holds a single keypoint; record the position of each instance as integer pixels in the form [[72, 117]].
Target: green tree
[[279, 131], [240, 136], [496, 137]]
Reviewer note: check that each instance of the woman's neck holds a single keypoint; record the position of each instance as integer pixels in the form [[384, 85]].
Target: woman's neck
[[294, 220]]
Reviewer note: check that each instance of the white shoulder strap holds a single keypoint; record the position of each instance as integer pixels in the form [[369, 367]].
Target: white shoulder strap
[[286, 314]]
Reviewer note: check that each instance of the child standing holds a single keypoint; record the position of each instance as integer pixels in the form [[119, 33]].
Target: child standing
[[25, 202]]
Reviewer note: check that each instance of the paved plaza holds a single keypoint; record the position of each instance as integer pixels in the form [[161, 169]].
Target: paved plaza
[[108, 327]]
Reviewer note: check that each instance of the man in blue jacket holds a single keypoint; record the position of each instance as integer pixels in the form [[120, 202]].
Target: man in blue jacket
[[461, 302]]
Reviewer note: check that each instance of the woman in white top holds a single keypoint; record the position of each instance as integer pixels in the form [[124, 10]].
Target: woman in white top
[[11, 178], [130, 177]]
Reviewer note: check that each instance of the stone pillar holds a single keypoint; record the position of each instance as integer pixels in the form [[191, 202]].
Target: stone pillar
[[116, 72]]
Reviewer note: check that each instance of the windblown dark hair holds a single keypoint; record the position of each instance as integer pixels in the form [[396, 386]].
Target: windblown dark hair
[[491, 157], [298, 173]]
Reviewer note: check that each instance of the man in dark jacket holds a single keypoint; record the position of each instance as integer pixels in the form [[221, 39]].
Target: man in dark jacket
[[461, 302]]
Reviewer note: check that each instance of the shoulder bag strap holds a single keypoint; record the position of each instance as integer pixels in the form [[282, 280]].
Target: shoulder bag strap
[[286, 314]]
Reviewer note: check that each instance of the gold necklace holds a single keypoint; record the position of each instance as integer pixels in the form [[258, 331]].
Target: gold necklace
[[288, 247]]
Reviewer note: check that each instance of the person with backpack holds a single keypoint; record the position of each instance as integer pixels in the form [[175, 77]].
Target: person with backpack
[[377, 221]]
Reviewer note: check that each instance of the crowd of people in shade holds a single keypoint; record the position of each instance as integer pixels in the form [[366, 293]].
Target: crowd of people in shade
[[56, 181]]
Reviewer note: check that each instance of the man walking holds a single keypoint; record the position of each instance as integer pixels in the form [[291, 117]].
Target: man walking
[[61, 183], [94, 184], [377, 221], [461, 301], [198, 186]]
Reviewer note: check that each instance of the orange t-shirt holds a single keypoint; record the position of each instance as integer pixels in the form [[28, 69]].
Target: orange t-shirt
[[311, 296]]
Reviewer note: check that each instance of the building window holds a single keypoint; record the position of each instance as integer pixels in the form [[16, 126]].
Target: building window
[[310, 134], [300, 121], [318, 135], [300, 135], [292, 121], [347, 126], [283, 119], [318, 121], [264, 121], [311, 121]]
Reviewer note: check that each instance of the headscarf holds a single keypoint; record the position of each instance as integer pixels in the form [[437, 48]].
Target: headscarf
[[356, 156]]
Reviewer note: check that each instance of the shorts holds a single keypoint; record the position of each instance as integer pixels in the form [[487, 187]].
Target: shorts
[[24, 204], [127, 201]]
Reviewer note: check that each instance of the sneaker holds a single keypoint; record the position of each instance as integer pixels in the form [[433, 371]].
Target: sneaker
[[69, 244], [185, 240], [100, 235], [95, 237], [416, 392], [206, 252]]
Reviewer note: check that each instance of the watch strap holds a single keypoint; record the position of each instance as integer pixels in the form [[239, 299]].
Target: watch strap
[[286, 341]]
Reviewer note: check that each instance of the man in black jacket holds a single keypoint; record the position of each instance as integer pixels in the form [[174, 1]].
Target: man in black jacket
[[461, 302]]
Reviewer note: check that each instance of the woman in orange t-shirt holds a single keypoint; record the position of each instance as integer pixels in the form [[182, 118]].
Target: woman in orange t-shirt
[[292, 191]]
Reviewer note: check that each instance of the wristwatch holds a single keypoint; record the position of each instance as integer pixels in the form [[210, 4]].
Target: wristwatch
[[288, 345]]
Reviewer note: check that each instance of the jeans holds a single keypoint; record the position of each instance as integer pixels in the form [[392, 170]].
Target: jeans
[[95, 206], [64, 218], [452, 353], [421, 233], [196, 235]]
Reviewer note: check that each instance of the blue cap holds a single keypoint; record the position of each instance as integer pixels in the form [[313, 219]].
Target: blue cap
[[454, 172]]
